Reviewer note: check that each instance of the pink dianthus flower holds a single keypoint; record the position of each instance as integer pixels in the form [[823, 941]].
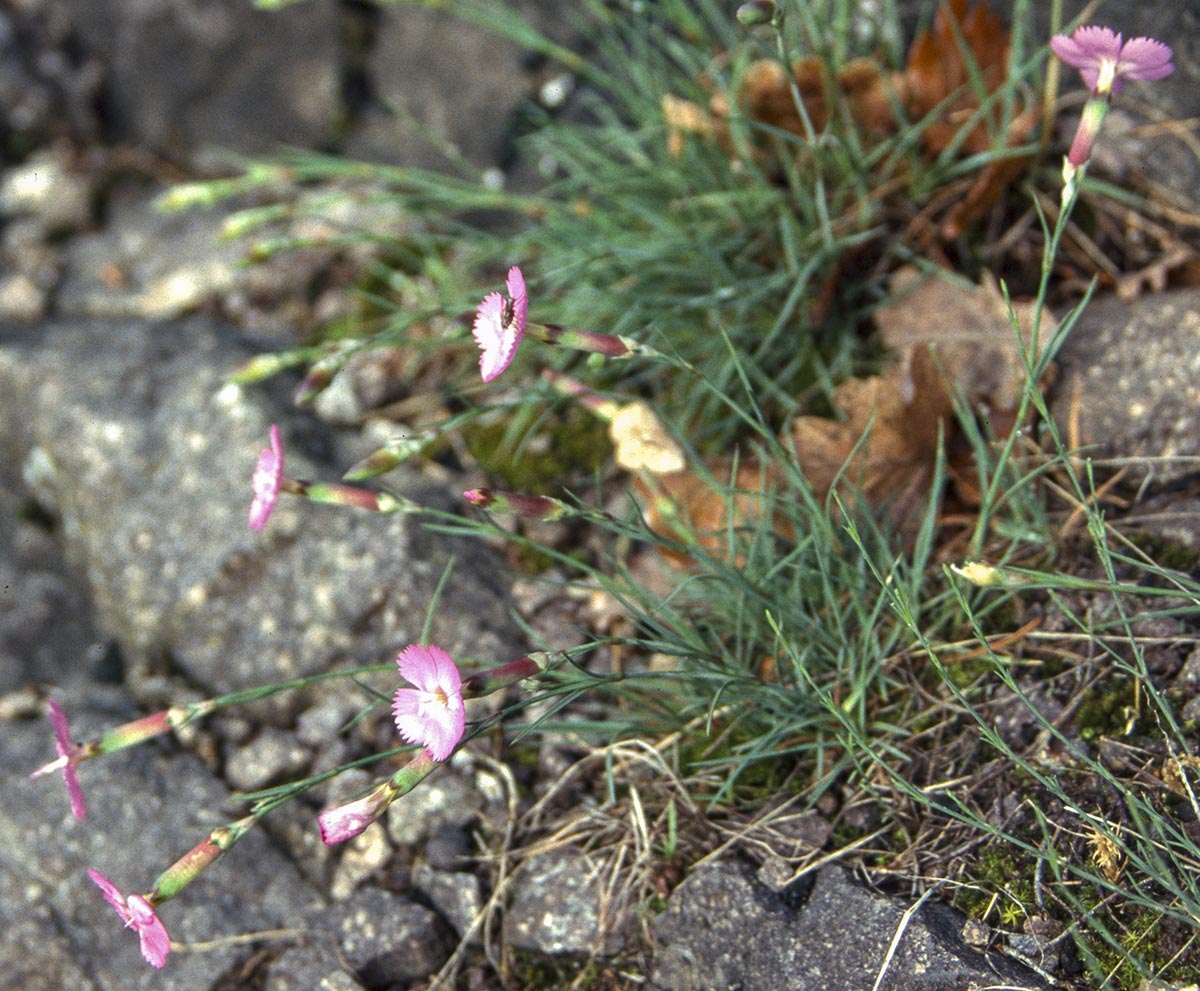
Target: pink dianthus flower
[[500, 325], [138, 914], [69, 756], [431, 713], [1105, 61], [267, 480]]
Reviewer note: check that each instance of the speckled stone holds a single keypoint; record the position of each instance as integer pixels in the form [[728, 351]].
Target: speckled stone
[[1135, 368], [556, 905], [722, 930], [269, 758], [390, 940], [150, 481]]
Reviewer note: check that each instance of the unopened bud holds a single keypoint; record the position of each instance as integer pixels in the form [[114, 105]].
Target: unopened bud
[[518, 504], [485, 682], [756, 12], [389, 457], [979, 574], [202, 856], [315, 382]]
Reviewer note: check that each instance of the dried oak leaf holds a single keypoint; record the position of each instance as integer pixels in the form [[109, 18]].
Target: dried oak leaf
[[968, 328], [937, 69], [947, 338], [700, 508], [766, 95], [641, 441], [886, 446], [678, 501], [683, 117]]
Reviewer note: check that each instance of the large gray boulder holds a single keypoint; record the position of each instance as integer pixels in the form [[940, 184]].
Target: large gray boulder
[[204, 74], [132, 581], [128, 435], [723, 929]]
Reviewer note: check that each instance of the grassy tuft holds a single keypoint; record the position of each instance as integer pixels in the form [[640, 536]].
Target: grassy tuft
[[1023, 741]]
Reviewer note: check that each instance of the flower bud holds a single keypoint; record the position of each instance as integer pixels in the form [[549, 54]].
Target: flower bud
[[756, 12], [979, 574], [485, 682], [202, 856], [518, 504]]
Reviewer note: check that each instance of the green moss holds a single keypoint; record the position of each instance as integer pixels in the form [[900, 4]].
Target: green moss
[[1001, 883], [1111, 708], [1137, 954], [963, 674], [1164, 552], [535, 453], [538, 972]]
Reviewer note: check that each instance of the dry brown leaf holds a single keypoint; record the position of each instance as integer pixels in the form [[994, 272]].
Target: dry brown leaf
[[968, 328], [992, 182], [936, 69], [686, 507], [1107, 854], [887, 445], [947, 338], [766, 94], [683, 117]]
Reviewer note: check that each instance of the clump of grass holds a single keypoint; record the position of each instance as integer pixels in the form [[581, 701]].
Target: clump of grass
[[806, 652]]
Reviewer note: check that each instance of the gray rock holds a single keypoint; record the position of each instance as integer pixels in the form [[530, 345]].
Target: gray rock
[[457, 895], [140, 397], [1171, 517], [322, 722], [147, 262], [47, 635], [270, 758], [186, 76], [315, 965], [48, 92], [151, 483], [722, 930], [21, 298], [46, 189], [444, 90], [556, 907], [447, 800], [388, 939], [1136, 367]]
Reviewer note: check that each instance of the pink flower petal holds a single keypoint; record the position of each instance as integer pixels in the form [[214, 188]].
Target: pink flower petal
[[138, 914], [432, 713], [429, 668], [344, 822], [1093, 48], [156, 944], [1098, 42], [444, 728], [267, 480], [112, 894], [1145, 59], [500, 326], [515, 284], [68, 758]]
